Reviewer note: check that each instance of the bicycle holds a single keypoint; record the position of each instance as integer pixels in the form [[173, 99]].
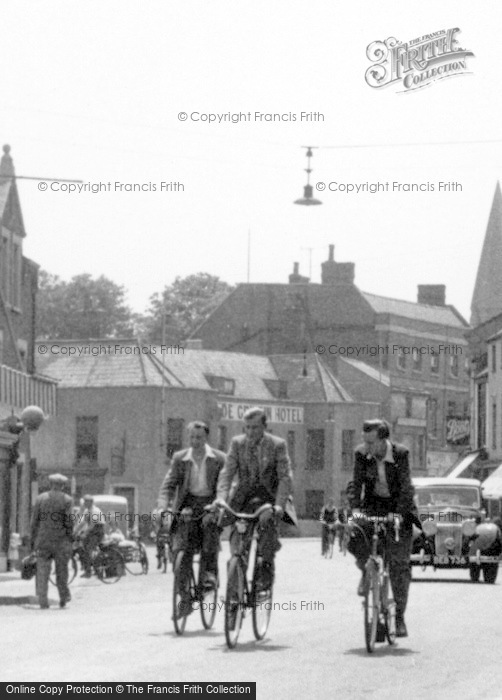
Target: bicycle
[[243, 579], [106, 561], [186, 592], [328, 550], [165, 553], [135, 555], [379, 607]]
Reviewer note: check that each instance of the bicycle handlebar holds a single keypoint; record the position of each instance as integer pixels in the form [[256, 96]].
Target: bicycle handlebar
[[247, 516], [382, 519]]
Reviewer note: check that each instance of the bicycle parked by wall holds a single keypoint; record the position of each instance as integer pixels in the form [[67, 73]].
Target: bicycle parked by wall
[[379, 607], [190, 590], [244, 589]]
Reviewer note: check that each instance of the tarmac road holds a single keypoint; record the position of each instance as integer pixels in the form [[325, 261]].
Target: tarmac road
[[314, 647]]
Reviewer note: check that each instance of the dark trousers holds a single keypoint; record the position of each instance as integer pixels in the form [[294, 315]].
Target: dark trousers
[[399, 559], [268, 537], [89, 543], [198, 535], [61, 553]]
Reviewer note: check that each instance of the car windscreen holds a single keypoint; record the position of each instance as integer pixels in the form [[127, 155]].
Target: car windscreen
[[443, 496]]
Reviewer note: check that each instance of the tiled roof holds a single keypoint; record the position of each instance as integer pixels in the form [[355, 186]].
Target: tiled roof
[[442, 315], [369, 370], [318, 386]]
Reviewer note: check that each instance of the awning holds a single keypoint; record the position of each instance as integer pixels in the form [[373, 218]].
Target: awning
[[458, 469], [492, 487]]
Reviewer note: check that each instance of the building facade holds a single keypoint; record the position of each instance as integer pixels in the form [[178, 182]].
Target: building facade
[[20, 386], [411, 355]]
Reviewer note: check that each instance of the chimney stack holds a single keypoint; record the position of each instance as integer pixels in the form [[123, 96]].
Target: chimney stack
[[336, 273], [295, 277]]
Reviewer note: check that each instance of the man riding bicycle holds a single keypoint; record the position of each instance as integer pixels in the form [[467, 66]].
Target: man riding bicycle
[[193, 476], [260, 463], [382, 474]]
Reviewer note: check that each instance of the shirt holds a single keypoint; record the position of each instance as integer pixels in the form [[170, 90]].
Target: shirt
[[381, 486], [198, 474]]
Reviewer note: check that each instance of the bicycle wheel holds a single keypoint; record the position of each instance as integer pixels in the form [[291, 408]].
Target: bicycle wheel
[[262, 603], [137, 562], [234, 603], [371, 605], [109, 565], [182, 594], [208, 603], [72, 570]]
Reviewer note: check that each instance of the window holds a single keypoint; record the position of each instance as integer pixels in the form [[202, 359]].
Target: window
[[435, 364], [86, 448], [417, 360], [401, 359], [421, 452], [348, 449], [174, 435], [315, 450], [292, 447], [409, 406], [453, 365], [224, 385], [452, 408], [494, 358], [222, 438], [314, 501], [433, 417], [494, 426]]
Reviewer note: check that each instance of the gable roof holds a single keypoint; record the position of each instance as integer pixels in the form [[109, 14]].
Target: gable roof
[[441, 315]]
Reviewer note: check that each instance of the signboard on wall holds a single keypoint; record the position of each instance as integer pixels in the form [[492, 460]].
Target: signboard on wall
[[276, 413], [458, 430]]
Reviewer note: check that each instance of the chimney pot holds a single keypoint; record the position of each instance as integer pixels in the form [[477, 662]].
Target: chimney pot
[[331, 252], [296, 268]]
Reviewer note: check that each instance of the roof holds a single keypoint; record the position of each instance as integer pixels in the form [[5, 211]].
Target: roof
[[309, 379], [443, 481], [492, 486], [126, 363], [487, 295], [370, 370], [442, 315]]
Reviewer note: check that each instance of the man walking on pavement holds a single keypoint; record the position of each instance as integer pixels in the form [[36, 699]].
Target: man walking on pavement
[[51, 538]]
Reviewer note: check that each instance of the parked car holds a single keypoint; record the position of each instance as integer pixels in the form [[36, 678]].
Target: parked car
[[455, 532]]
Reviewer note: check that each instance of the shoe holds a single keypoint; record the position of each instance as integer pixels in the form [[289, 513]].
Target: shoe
[[66, 599], [265, 578], [159, 563], [401, 630], [44, 606], [210, 581], [362, 587], [87, 574], [185, 608]]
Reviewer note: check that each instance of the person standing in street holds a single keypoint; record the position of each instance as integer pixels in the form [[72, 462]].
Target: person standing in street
[[51, 538], [91, 530]]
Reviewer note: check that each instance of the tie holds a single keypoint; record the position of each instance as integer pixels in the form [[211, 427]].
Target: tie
[[254, 463]]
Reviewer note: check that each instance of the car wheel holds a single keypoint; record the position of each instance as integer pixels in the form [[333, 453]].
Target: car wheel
[[490, 572], [474, 571]]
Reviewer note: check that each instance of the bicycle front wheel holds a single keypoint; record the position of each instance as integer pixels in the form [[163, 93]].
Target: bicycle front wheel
[[234, 603], [109, 565], [208, 603], [262, 603], [371, 605], [182, 599]]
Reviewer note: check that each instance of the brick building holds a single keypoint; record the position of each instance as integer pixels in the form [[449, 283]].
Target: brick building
[[411, 356], [122, 414]]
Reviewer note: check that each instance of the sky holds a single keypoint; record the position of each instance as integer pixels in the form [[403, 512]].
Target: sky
[[92, 91]]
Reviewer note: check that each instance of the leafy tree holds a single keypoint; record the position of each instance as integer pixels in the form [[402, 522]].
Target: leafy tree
[[186, 303], [82, 308]]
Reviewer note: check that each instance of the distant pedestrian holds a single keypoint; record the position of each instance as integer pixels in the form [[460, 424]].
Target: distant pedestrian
[[51, 538], [90, 529]]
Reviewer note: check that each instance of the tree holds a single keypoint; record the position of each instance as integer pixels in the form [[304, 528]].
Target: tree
[[186, 303], [82, 308]]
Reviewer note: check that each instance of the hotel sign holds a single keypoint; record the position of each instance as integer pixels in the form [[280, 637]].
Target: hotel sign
[[275, 413]]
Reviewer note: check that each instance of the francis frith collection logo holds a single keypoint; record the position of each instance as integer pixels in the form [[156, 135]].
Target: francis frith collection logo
[[417, 63]]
